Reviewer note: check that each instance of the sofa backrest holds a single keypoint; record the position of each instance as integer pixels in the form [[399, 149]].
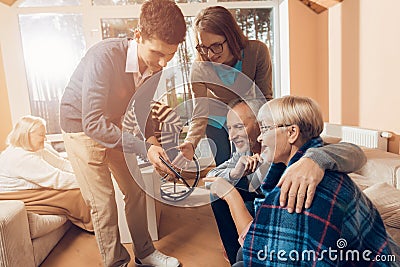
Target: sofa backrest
[[381, 166]]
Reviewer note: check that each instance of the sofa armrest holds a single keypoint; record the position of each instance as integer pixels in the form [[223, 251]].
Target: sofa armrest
[[15, 239]]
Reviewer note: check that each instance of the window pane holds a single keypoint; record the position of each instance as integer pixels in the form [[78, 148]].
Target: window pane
[[178, 86], [256, 23], [41, 3], [52, 45], [112, 28]]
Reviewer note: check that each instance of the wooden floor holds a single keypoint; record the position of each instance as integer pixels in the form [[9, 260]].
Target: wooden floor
[[189, 234]]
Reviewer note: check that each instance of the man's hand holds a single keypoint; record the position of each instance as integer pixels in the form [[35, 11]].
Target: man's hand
[[153, 154], [185, 155], [221, 187], [187, 150], [245, 166], [299, 181]]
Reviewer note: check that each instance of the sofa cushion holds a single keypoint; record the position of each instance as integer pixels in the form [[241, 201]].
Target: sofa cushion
[[386, 198], [381, 166], [40, 225], [44, 244], [397, 180], [361, 181]]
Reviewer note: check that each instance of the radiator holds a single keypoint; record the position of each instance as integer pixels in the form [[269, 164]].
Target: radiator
[[360, 136]]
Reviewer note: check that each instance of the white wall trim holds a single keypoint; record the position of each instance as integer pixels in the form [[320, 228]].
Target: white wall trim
[[284, 66]]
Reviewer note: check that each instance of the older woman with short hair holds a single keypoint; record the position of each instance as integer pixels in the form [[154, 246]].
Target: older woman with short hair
[[340, 211], [38, 176]]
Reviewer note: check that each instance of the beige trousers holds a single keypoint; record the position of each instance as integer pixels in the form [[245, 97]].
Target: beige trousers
[[59, 202], [93, 165]]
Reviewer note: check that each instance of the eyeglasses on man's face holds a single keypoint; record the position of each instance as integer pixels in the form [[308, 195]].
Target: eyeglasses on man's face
[[216, 48], [265, 128]]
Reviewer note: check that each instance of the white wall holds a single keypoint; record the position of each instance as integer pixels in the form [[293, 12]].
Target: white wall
[[13, 62]]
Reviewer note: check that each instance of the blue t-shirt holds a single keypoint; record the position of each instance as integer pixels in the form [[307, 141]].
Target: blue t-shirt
[[228, 76]]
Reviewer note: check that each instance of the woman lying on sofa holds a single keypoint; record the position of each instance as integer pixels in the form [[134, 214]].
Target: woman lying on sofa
[[38, 176], [340, 224]]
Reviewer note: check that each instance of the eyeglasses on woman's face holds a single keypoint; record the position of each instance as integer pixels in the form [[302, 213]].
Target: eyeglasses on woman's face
[[216, 48], [265, 128]]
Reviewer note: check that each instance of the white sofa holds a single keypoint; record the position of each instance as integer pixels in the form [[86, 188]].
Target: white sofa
[[379, 178], [27, 238]]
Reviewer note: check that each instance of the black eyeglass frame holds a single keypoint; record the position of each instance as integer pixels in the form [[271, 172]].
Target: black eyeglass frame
[[202, 49]]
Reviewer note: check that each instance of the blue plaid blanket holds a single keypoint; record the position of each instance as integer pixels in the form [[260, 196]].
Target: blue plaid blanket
[[341, 228]]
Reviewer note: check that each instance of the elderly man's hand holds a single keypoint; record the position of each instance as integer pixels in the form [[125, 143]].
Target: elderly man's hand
[[299, 183], [245, 166]]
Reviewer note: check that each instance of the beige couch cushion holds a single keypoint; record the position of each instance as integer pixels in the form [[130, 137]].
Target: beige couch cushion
[[40, 225], [44, 244], [386, 198], [361, 181], [381, 166], [398, 178]]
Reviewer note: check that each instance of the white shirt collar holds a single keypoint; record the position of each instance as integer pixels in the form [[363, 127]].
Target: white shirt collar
[[132, 64], [132, 60]]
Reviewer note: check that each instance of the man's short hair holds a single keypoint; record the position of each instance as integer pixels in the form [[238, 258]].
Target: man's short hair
[[162, 19], [254, 104]]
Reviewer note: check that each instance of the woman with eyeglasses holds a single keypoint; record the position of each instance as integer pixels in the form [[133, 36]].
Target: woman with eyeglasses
[[220, 41]]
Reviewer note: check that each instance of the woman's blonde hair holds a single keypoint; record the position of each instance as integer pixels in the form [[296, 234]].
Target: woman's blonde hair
[[19, 136], [296, 110]]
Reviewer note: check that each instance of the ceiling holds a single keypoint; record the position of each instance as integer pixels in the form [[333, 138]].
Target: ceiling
[[317, 6]]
